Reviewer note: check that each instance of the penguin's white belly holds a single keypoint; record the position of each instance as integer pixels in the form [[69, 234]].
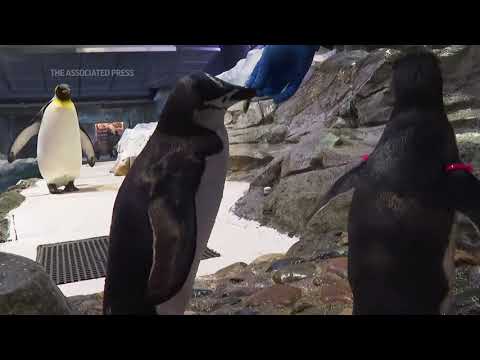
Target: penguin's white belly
[[207, 202], [59, 149]]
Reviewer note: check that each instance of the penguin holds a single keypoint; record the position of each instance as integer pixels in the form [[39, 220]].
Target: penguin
[[60, 142], [406, 192], [166, 206]]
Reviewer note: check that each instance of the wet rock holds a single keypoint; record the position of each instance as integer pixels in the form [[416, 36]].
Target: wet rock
[[263, 263], [294, 273], [26, 289], [283, 263], [324, 246], [278, 295]]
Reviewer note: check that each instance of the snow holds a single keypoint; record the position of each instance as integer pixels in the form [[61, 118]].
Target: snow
[[240, 73], [44, 218], [134, 140]]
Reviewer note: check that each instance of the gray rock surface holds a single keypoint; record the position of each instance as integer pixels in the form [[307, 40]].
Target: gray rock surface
[[25, 289]]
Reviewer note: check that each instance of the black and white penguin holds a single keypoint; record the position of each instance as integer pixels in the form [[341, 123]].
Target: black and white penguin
[[405, 196], [166, 206], [60, 141]]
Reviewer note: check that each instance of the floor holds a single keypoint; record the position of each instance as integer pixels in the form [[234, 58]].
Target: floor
[[44, 218]]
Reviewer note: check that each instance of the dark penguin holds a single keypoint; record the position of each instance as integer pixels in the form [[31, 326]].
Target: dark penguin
[[166, 207], [405, 197]]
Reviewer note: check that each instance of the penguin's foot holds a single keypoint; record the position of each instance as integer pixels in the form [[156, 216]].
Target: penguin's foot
[[53, 189], [71, 188]]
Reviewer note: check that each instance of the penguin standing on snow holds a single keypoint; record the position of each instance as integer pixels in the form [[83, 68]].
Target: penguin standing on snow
[[166, 206], [406, 194], [60, 142]]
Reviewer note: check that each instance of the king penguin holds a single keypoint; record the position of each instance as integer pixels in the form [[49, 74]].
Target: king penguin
[[60, 141], [167, 204], [401, 257]]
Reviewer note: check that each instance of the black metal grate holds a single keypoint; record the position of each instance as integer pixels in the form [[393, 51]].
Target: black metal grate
[[80, 260]]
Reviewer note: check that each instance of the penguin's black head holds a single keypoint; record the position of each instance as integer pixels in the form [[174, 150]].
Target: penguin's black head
[[213, 93], [200, 99], [62, 92], [417, 79]]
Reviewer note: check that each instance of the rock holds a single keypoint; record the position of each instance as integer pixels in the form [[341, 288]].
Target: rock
[[122, 166], [346, 311], [246, 311], [25, 289], [332, 217], [474, 277], [262, 263], [243, 158], [338, 266], [8, 201], [87, 304], [301, 156], [11, 173], [468, 302], [278, 295], [294, 273], [197, 293], [230, 270], [270, 175], [267, 190], [283, 263], [462, 257], [268, 258]]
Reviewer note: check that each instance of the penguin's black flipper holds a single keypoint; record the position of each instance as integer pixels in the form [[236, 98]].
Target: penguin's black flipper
[[463, 191], [347, 181], [22, 139], [26, 134], [87, 147], [174, 245]]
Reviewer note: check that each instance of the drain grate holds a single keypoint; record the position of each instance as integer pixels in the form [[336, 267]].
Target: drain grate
[[80, 260]]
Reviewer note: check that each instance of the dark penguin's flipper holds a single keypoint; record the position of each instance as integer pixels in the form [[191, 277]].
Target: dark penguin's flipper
[[71, 187], [26, 134], [174, 245], [53, 189], [463, 190], [87, 147], [345, 183]]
